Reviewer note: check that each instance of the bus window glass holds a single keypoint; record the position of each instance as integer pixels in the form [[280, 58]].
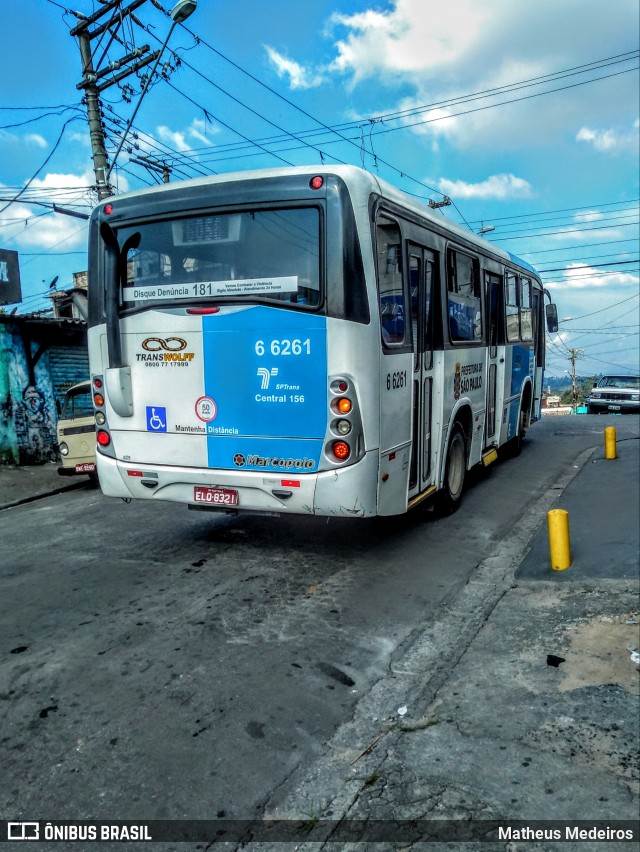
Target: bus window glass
[[465, 321], [428, 331], [513, 332], [390, 286], [263, 255], [415, 264], [526, 322]]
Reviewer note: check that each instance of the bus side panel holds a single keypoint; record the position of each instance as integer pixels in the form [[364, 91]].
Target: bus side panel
[[465, 397], [519, 366], [396, 411]]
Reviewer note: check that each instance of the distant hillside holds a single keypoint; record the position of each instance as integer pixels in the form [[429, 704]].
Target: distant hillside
[[562, 383]]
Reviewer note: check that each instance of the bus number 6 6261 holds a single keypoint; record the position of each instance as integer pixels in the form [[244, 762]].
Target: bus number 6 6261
[[396, 380]]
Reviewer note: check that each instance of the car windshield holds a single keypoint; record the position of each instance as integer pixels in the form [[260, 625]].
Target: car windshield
[[78, 403], [619, 382]]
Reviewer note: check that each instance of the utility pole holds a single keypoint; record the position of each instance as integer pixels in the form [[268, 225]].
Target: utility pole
[[574, 388], [153, 165], [93, 81]]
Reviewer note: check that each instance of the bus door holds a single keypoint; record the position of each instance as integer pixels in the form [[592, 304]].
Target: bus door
[[421, 266], [538, 349], [495, 360]]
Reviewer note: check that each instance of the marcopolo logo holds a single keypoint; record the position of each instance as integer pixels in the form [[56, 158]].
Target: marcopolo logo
[[268, 461]]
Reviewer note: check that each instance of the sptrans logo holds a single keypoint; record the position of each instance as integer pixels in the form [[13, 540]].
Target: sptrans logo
[[267, 461]]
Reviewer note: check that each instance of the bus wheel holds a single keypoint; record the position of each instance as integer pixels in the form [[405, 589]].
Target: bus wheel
[[516, 443], [449, 497]]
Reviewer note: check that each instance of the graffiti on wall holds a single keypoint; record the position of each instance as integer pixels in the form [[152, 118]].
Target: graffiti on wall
[[35, 429], [27, 408]]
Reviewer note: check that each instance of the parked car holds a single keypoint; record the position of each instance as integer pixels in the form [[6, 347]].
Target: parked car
[[76, 432], [615, 394]]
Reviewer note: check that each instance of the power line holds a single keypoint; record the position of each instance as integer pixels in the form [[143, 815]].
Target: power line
[[42, 165], [590, 266]]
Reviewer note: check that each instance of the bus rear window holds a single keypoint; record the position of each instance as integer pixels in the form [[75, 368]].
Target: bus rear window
[[271, 255]]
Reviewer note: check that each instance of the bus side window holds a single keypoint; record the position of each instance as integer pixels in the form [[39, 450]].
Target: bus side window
[[513, 331], [465, 305], [390, 284], [526, 322]]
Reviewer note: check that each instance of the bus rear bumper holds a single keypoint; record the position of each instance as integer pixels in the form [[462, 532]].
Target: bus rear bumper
[[341, 492]]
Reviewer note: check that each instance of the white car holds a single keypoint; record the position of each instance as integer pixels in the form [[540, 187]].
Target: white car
[[614, 394]]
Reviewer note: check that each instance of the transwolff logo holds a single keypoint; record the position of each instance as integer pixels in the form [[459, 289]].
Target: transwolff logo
[[170, 344]]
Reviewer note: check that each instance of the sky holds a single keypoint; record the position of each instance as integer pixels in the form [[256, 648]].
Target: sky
[[525, 114]]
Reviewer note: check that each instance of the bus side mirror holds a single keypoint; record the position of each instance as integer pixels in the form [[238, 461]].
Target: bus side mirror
[[552, 318]]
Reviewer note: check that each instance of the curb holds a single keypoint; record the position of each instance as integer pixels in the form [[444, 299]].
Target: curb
[[51, 493]]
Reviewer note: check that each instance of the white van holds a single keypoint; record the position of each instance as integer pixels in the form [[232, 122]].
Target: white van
[[76, 432]]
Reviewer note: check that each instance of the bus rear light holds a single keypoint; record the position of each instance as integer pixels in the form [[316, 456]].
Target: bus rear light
[[316, 182], [341, 450], [100, 418], [103, 438], [97, 383], [202, 311], [344, 405], [290, 483], [134, 473], [343, 427], [98, 400], [108, 208]]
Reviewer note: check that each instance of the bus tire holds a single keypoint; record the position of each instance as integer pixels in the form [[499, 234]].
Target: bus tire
[[516, 443], [450, 495]]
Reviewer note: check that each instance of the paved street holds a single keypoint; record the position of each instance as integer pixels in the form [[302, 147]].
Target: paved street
[[159, 663]]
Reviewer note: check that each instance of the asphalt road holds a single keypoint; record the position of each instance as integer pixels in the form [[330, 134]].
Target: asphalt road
[[157, 663]]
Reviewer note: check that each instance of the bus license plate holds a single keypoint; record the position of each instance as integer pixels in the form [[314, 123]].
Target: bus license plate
[[217, 496], [613, 407]]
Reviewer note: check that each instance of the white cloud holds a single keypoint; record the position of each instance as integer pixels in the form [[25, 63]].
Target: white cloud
[[447, 50], [500, 187], [28, 139], [299, 76], [610, 140], [580, 276], [36, 139], [49, 231], [182, 140], [405, 40]]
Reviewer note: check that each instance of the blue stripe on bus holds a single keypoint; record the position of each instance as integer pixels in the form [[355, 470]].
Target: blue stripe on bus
[[521, 367], [266, 370]]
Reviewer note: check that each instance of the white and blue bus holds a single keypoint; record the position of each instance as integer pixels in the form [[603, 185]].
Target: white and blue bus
[[307, 341]]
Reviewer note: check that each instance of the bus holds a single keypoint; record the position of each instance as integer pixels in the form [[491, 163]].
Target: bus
[[308, 340]]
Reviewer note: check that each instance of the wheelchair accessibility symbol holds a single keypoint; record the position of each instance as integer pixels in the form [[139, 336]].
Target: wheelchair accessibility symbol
[[156, 419]]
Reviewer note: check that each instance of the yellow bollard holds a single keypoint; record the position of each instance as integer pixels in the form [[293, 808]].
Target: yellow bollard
[[559, 541], [610, 443]]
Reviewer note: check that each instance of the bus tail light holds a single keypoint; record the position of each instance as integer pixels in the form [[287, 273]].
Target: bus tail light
[[103, 438], [98, 400], [341, 450], [345, 420]]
